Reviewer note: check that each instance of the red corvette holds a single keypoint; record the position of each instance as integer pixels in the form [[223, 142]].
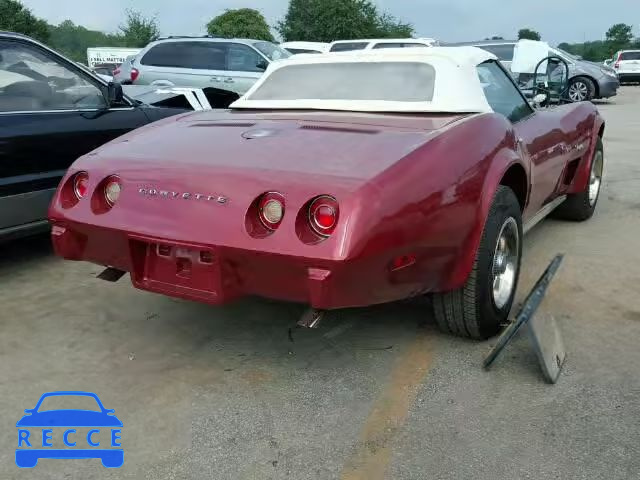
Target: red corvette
[[341, 180]]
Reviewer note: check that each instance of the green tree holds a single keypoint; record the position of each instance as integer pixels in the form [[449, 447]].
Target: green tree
[[620, 33], [15, 17], [595, 51], [528, 34], [329, 20], [619, 37], [138, 30], [73, 40], [390, 27], [241, 23]]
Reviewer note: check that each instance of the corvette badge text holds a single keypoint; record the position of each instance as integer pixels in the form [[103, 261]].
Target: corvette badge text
[[61, 433], [152, 192]]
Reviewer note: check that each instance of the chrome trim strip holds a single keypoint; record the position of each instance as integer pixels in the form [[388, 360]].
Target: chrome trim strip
[[543, 213], [84, 110]]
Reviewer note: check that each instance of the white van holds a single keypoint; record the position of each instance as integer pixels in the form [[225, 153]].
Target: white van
[[373, 44]]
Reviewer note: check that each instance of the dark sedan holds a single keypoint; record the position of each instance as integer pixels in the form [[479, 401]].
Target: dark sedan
[[52, 111]]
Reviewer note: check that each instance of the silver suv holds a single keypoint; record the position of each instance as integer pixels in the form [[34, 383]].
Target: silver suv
[[229, 64]]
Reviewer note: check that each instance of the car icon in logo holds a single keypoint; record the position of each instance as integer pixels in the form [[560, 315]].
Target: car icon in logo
[[40, 428]]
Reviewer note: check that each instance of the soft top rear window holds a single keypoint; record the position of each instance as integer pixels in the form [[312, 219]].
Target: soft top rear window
[[347, 47], [630, 55], [368, 81]]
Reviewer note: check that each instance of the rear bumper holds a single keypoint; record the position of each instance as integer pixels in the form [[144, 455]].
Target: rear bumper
[[629, 77], [608, 87], [217, 275]]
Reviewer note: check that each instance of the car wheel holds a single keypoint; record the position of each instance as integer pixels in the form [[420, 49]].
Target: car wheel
[[482, 305], [580, 206], [581, 89]]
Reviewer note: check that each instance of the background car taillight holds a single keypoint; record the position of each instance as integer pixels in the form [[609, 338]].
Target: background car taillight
[[323, 215], [134, 74], [271, 210], [81, 184], [112, 189], [116, 71]]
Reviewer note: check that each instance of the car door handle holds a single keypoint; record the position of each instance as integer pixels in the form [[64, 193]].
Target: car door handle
[[229, 80], [216, 79]]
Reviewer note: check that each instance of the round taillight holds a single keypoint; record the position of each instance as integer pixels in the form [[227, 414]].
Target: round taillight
[[81, 184], [271, 210], [112, 189], [323, 215], [134, 74]]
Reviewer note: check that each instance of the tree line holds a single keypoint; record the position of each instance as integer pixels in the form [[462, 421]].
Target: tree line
[[73, 40], [305, 20], [618, 37]]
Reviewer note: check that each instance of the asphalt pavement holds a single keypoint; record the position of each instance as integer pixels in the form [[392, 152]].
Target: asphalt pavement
[[376, 393]]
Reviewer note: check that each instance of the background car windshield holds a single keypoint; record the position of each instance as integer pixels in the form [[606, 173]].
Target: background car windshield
[[630, 55], [378, 46], [503, 52], [347, 47], [296, 51], [388, 81], [69, 402], [271, 51]]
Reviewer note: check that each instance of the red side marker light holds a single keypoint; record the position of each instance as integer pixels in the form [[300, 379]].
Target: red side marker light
[[403, 261]]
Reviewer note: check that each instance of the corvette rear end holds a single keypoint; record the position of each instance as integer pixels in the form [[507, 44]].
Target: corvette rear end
[[244, 218]]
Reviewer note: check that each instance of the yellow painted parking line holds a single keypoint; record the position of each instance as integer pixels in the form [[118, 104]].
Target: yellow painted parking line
[[389, 412]]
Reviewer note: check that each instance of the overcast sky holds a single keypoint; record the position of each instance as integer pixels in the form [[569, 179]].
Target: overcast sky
[[448, 20]]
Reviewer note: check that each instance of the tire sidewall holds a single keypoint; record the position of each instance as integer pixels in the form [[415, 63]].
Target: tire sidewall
[[505, 206]]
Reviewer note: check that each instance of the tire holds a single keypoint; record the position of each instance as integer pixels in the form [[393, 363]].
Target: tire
[[581, 89], [475, 311], [579, 207]]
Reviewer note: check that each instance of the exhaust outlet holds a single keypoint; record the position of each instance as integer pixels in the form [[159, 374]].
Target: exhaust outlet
[[311, 318]]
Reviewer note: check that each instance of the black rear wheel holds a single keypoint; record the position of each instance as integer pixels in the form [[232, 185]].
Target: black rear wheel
[[482, 305]]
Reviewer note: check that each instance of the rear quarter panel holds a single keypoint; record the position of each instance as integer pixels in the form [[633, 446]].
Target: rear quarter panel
[[434, 202]]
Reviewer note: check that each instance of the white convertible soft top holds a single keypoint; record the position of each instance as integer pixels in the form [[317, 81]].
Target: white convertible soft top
[[438, 79]]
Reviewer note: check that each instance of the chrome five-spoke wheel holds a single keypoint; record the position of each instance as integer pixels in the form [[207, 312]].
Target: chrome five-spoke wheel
[[505, 263], [595, 180]]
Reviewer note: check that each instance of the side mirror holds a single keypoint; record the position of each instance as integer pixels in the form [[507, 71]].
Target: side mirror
[[115, 95], [262, 65]]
